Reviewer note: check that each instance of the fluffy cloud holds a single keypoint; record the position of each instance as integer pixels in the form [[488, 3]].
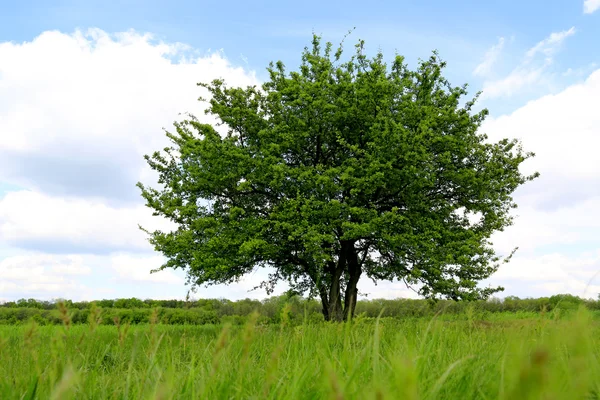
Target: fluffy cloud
[[559, 223], [531, 71], [86, 277], [562, 130], [590, 6], [78, 111], [552, 273], [42, 275], [137, 268], [38, 221]]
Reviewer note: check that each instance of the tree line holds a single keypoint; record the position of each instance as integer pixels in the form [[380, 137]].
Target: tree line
[[270, 310]]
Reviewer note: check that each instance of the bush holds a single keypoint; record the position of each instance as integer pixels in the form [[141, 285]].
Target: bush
[[189, 317], [298, 309]]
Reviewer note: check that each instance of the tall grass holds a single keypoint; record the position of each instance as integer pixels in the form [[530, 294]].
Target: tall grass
[[538, 357]]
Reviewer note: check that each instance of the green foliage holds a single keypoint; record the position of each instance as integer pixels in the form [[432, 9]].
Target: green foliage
[[298, 310], [565, 300], [337, 171]]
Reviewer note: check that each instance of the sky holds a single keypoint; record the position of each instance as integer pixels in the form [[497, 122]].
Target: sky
[[87, 87]]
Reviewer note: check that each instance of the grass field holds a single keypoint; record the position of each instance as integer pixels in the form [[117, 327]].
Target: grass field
[[505, 356]]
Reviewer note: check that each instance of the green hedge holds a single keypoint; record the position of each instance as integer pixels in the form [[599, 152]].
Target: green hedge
[[14, 316], [211, 311]]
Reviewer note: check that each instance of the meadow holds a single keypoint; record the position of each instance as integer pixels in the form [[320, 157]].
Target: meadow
[[462, 355]]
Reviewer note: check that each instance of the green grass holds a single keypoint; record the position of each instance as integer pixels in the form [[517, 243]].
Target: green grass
[[505, 356]]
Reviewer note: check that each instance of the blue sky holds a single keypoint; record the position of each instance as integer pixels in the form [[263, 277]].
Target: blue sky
[[86, 86]]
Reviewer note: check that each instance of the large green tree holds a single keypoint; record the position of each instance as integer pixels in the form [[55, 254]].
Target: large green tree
[[343, 169]]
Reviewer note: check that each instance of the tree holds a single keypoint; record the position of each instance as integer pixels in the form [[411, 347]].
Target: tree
[[337, 171]]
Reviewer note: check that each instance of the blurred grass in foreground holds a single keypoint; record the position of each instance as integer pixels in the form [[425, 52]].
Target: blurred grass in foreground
[[545, 356]]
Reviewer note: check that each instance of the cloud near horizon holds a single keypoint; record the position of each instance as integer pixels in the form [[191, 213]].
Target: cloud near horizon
[[81, 110]]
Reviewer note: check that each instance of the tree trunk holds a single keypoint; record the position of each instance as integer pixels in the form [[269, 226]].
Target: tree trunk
[[354, 272], [324, 302], [332, 300], [334, 311], [335, 297]]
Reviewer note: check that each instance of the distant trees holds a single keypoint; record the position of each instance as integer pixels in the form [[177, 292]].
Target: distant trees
[[215, 311]]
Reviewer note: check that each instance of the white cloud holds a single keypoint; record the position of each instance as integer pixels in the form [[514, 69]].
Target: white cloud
[[86, 277], [552, 274], [590, 6], [384, 290], [490, 58], [512, 83], [42, 267], [560, 211], [34, 220], [137, 268], [553, 267], [42, 275], [78, 111], [550, 45], [531, 70], [562, 130], [581, 72]]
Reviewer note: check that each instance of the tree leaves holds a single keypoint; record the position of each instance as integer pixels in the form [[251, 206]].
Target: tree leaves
[[336, 162]]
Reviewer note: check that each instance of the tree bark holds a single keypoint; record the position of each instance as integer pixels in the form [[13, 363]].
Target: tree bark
[[335, 296], [335, 311], [332, 300], [354, 272], [324, 302]]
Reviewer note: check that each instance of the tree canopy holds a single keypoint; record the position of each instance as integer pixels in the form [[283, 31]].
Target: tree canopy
[[340, 170]]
